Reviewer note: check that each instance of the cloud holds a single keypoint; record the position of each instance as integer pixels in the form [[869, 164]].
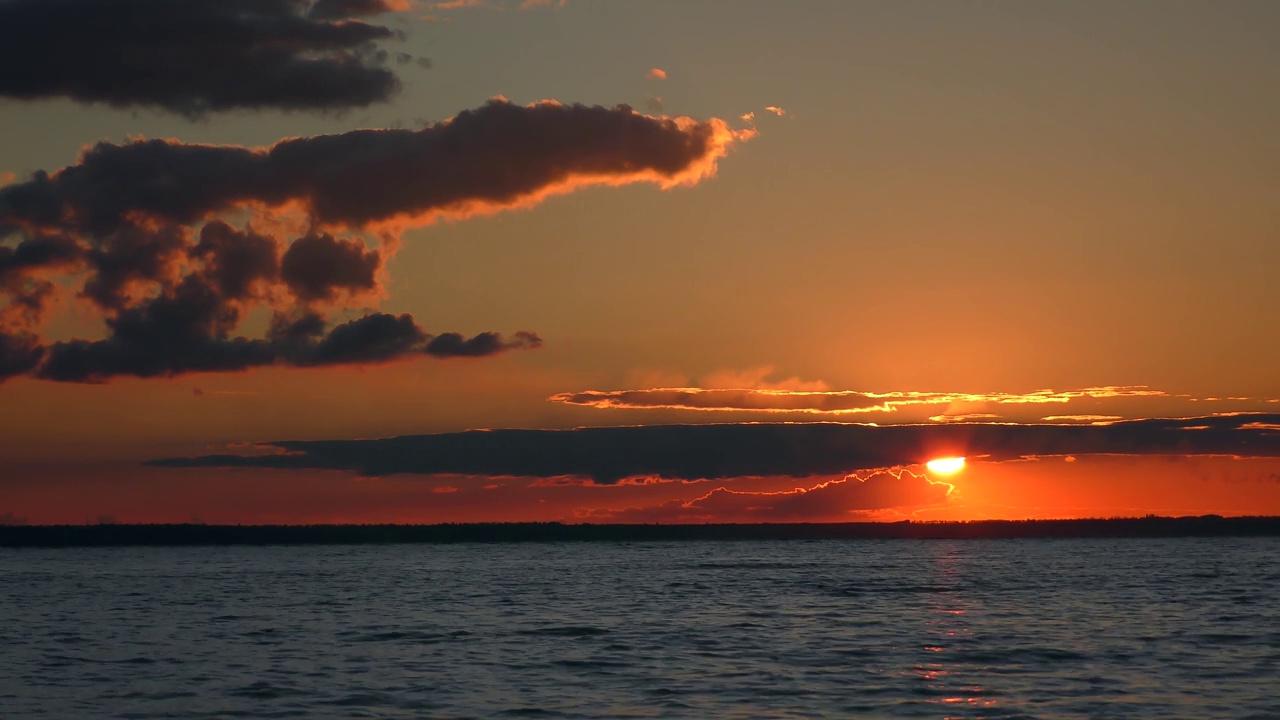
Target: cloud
[[796, 396], [779, 401], [830, 501], [711, 452], [498, 156], [455, 4], [24, 277], [775, 110], [530, 4], [197, 56], [371, 339], [321, 266], [180, 334], [155, 235], [341, 9], [20, 353], [656, 74], [489, 343], [757, 378], [963, 417]]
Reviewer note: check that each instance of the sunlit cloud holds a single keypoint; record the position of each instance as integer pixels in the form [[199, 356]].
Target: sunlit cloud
[[1082, 418], [775, 110], [657, 74], [813, 398], [833, 500], [455, 4], [964, 417]]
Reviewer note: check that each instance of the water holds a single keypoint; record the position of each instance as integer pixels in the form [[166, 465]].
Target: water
[[1184, 628]]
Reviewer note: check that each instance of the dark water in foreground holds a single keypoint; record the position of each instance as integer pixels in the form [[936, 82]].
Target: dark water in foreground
[[1181, 628]]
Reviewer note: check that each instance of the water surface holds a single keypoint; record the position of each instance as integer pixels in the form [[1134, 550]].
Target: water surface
[[1177, 628]]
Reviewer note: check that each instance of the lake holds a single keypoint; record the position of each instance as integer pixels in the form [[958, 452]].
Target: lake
[[1132, 628]]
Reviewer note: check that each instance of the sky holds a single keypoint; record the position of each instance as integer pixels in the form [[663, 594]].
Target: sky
[[285, 261]]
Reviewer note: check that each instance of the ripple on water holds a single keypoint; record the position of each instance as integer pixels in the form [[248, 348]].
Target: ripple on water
[[1088, 628]]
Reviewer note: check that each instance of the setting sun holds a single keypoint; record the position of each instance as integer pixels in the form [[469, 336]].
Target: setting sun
[[945, 466]]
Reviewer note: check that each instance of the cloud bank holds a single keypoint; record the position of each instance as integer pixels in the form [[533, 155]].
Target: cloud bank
[[174, 244], [197, 56], [710, 452]]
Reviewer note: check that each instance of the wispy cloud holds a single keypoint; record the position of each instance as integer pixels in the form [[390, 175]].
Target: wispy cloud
[[790, 397], [833, 500]]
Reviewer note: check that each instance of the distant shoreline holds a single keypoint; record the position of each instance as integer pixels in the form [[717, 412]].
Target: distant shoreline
[[109, 535]]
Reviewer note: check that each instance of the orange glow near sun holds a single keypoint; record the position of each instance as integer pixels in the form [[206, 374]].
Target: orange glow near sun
[[946, 465]]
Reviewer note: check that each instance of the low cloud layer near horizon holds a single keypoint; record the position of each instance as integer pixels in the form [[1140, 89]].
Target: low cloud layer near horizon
[[836, 499], [709, 452], [173, 244]]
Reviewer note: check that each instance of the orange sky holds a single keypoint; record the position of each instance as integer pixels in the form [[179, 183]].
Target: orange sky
[[1098, 486], [854, 213]]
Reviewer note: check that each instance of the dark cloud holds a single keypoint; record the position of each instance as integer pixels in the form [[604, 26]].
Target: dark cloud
[[689, 452], [128, 257], [371, 339], [489, 343], [196, 56], [499, 155], [235, 261], [19, 354], [148, 228], [320, 266], [182, 332], [189, 331], [24, 271], [339, 9], [36, 253]]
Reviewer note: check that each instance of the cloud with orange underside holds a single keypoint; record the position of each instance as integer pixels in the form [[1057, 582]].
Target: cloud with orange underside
[[160, 246], [834, 500]]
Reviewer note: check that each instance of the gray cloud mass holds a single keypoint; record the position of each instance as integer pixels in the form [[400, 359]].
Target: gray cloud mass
[[690, 452]]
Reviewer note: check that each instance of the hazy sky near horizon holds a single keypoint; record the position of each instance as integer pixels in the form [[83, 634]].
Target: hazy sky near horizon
[[973, 200]]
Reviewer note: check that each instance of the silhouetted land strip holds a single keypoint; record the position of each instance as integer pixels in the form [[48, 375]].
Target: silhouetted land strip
[[114, 535]]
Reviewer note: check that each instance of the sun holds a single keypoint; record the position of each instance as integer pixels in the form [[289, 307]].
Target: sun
[[946, 465]]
